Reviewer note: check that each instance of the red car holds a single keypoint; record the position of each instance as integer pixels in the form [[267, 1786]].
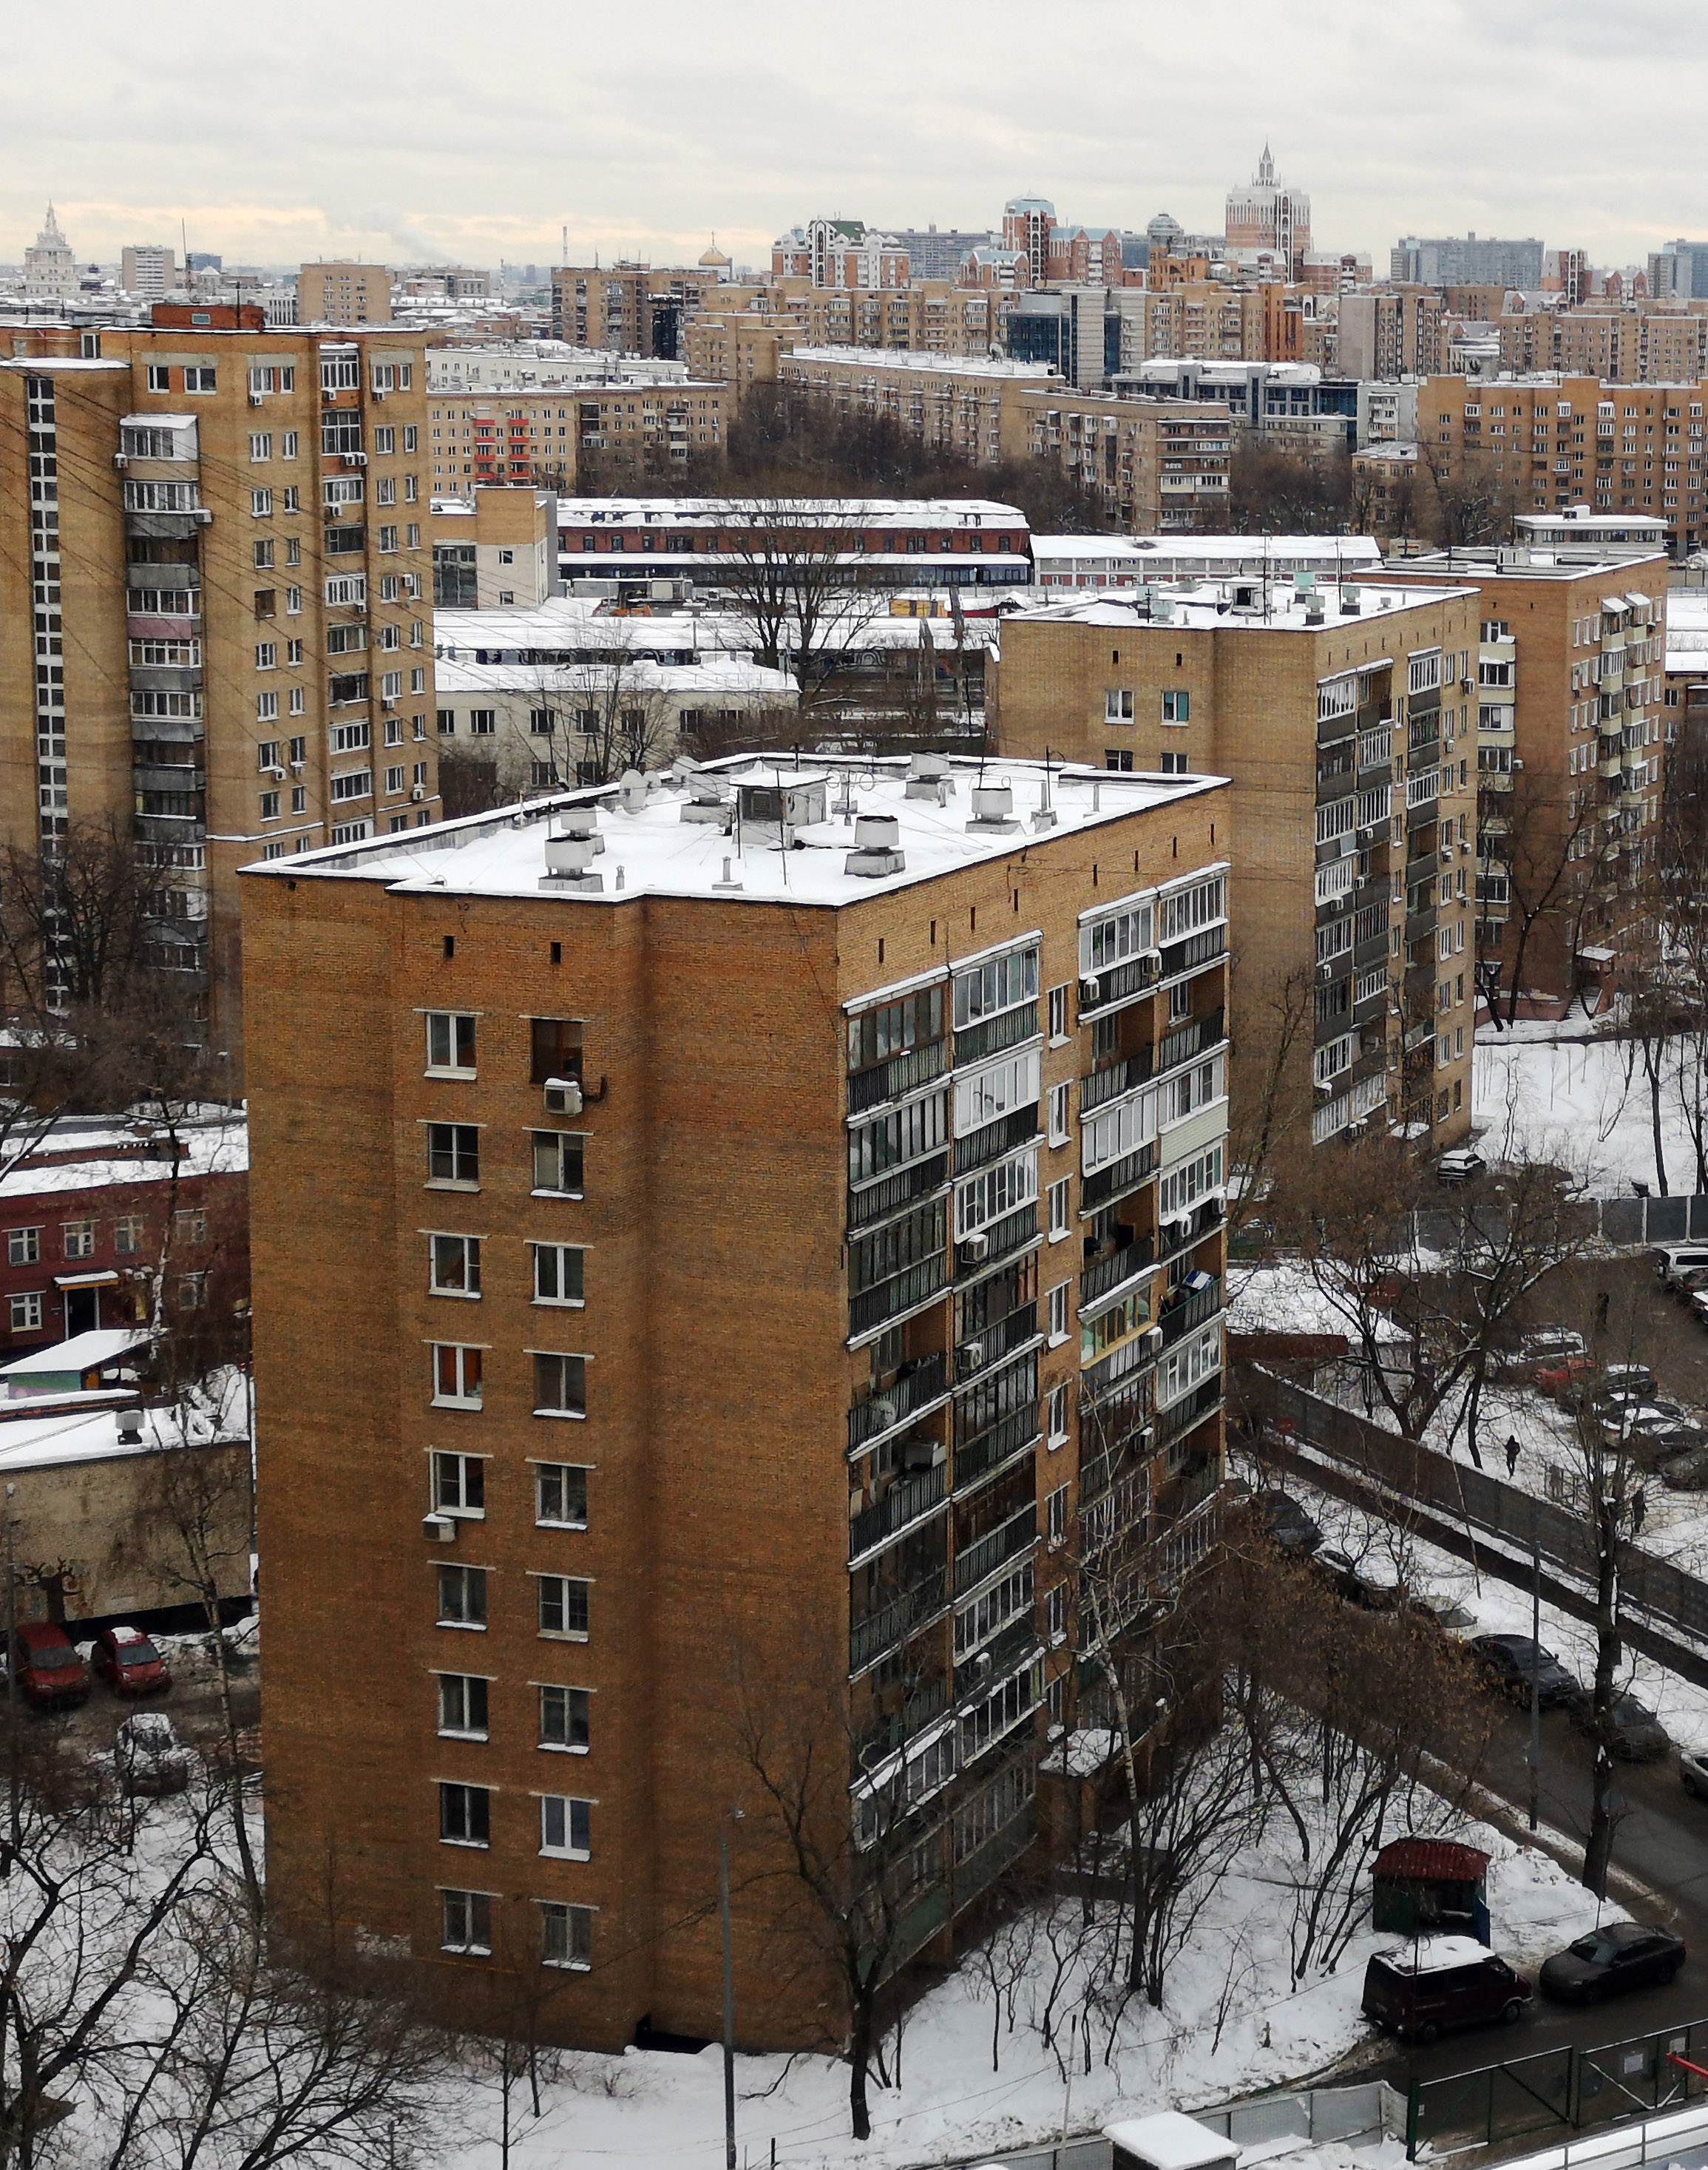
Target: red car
[[1553, 1378], [129, 1663], [50, 1672]]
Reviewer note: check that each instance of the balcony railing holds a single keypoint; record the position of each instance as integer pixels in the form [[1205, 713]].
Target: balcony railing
[[883, 1739], [994, 1343], [1181, 1416], [882, 1411], [1187, 1041], [996, 1139], [893, 1622], [1204, 1303], [1105, 1085], [990, 1553], [1120, 1176], [909, 1500], [1196, 950], [1097, 1280], [917, 1285], [987, 1861], [896, 1192], [980, 1457], [1009, 1234], [1121, 983], [994, 1034], [889, 1081], [1182, 1236]]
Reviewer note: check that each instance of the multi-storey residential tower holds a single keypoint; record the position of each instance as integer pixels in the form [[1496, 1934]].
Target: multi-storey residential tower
[[220, 535], [780, 1210], [1342, 713]]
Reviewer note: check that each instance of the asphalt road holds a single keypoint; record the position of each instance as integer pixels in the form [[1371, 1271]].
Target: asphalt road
[[1661, 1841]]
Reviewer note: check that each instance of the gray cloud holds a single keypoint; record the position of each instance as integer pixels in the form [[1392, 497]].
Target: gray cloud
[[421, 131]]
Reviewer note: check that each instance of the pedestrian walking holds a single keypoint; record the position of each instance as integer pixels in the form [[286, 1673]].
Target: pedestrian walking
[[1602, 1301], [1639, 1508], [1512, 1455]]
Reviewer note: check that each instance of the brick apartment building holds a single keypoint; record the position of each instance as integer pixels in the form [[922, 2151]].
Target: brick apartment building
[[865, 1253], [96, 1210], [626, 430], [1542, 443], [1342, 715], [220, 535], [1570, 749], [344, 294]]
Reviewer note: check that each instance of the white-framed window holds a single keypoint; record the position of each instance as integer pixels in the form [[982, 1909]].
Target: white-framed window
[[453, 1265], [1121, 932], [1000, 983], [1187, 1366], [465, 1815], [566, 1936], [566, 1717], [79, 1238], [993, 1192], [450, 1044], [1182, 1187], [558, 1272], [466, 1921], [1055, 1508], [457, 1375], [1337, 696], [462, 1706], [1059, 1013], [1177, 707], [260, 504], [560, 1496], [565, 1610], [1423, 670], [1183, 911], [1060, 1299], [1057, 1408], [1061, 1112], [1060, 1210], [27, 1311], [1115, 1131], [23, 1246], [260, 446], [1117, 705], [1328, 1062], [266, 655], [266, 708], [354, 783], [1337, 819], [996, 1089], [560, 1385], [461, 1597], [559, 1162], [566, 1827]]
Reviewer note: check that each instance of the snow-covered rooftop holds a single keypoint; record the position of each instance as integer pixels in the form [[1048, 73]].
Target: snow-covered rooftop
[[648, 844], [81, 1156], [1167, 2140], [1277, 605], [733, 512], [82, 1352], [711, 673], [940, 364]]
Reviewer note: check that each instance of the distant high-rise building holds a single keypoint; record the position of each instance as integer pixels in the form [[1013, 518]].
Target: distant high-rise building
[[1028, 222], [1467, 261], [204, 260], [344, 294], [934, 254], [149, 270], [1680, 269], [1268, 218], [49, 269]]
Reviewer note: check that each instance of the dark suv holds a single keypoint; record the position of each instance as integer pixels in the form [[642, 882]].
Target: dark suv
[[1505, 1662], [1420, 1989]]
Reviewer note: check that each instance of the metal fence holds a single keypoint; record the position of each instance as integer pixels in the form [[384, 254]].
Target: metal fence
[[1555, 2090], [1462, 1494]]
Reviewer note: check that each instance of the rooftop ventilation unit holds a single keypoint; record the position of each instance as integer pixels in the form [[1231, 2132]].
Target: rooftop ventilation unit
[[570, 864], [993, 810], [877, 847]]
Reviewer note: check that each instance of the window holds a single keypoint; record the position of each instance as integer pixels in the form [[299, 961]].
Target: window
[[455, 1376], [199, 380], [557, 1274], [394, 781], [79, 1238], [1055, 1513], [450, 1044], [1058, 1013], [1059, 1300], [465, 1816], [564, 1716], [1177, 707], [565, 1935], [560, 1386], [557, 1162], [127, 1235], [556, 1050], [26, 1313], [560, 1496], [459, 1485], [159, 377], [355, 783], [465, 1922], [260, 504], [260, 445], [566, 1827], [1118, 762], [1173, 764], [1118, 706], [1061, 1108], [1059, 1208], [453, 1154], [190, 1224], [287, 445], [563, 1609], [388, 540], [483, 722], [462, 1709], [461, 1597], [270, 806], [1058, 1406]]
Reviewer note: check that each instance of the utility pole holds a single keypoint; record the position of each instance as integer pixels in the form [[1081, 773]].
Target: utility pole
[[729, 2002], [1535, 1669], [14, 1796]]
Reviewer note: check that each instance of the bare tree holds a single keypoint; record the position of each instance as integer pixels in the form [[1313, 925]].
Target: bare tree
[[1541, 852], [1272, 1101], [794, 575], [1467, 501]]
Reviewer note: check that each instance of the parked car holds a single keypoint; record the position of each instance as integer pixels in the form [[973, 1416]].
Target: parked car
[[1349, 1580], [1462, 1165], [1609, 1961], [1635, 1733], [1543, 1343], [1686, 1472], [1693, 1773], [1290, 1528], [1621, 1378], [1507, 1661], [1673, 1261], [148, 1756], [1566, 1374], [1418, 1990], [1446, 1613], [50, 1672], [129, 1663], [1665, 1442]]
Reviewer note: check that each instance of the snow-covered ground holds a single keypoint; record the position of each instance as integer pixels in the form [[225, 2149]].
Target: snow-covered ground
[[1230, 2026], [1578, 1100]]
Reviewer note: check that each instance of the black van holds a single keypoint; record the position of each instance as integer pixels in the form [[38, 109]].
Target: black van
[[1418, 1990]]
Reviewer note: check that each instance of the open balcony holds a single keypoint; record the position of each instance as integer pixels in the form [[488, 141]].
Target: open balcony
[[914, 1390], [906, 1504], [874, 1634]]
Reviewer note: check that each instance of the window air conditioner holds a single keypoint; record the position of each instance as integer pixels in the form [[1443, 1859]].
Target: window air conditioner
[[255, 400], [273, 769], [564, 1096], [1150, 963], [121, 461], [1153, 1339], [970, 1357], [417, 792], [439, 1529], [1090, 991], [973, 1248], [297, 768]]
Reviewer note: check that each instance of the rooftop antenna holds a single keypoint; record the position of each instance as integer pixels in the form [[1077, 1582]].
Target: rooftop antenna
[[565, 244]]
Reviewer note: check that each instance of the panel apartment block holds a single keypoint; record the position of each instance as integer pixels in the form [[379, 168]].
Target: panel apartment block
[[1343, 715], [778, 1211], [220, 535]]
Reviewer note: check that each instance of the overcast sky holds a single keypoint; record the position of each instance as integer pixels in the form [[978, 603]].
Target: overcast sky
[[439, 130]]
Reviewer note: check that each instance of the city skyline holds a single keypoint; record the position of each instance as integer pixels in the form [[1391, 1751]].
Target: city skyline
[[1438, 126]]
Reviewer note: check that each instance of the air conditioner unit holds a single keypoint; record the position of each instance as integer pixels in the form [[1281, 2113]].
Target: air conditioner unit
[[1090, 991], [297, 768], [417, 792], [255, 400], [121, 461], [970, 1357], [973, 1249], [564, 1096], [439, 1529], [387, 705], [273, 769], [1464, 685], [202, 516], [355, 459], [1150, 963], [379, 395]]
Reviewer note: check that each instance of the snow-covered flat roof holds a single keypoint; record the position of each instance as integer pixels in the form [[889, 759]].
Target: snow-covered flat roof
[[1168, 2139], [111, 1155], [942, 365], [731, 512], [711, 673], [1209, 553], [650, 849], [1211, 604], [82, 1352]]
